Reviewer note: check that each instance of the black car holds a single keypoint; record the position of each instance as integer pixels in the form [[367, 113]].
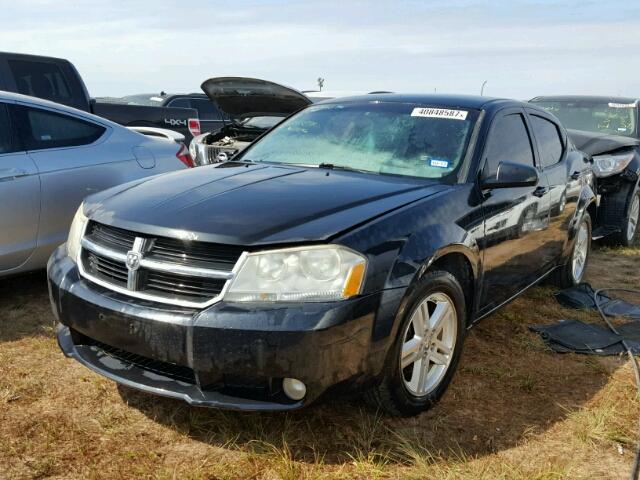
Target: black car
[[351, 247], [606, 128], [57, 79]]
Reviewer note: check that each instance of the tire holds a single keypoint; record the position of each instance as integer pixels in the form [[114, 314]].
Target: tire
[[405, 392], [568, 275], [617, 210], [631, 219]]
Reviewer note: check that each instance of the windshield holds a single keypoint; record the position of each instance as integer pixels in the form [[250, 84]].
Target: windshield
[[600, 117], [145, 100], [386, 138]]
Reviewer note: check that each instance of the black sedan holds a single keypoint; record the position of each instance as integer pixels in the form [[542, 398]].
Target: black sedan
[[349, 248], [606, 128]]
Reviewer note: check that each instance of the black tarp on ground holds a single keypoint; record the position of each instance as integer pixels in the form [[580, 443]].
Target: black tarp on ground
[[582, 296], [579, 337]]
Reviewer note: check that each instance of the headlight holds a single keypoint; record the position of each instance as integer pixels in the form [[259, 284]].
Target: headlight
[[75, 234], [607, 165], [305, 274], [193, 150]]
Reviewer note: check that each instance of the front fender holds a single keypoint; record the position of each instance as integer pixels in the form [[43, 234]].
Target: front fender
[[587, 202], [401, 247]]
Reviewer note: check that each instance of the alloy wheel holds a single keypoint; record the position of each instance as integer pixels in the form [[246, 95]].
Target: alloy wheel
[[429, 339], [634, 213], [580, 252]]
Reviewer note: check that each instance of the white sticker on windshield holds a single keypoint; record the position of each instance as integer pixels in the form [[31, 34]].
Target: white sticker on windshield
[[156, 99], [622, 105], [439, 113], [439, 163]]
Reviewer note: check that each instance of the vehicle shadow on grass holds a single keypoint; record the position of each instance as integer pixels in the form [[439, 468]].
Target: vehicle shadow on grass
[[25, 310], [509, 386]]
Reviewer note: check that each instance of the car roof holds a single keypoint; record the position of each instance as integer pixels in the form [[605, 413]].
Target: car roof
[[435, 100], [584, 98], [40, 102], [166, 95]]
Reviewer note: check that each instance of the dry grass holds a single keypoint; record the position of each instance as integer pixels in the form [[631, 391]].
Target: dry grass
[[515, 410]]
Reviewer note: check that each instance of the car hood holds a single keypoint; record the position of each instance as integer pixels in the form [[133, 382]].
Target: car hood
[[598, 143], [241, 97], [253, 204]]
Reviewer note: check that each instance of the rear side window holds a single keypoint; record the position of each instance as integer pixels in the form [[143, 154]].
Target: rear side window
[[509, 141], [548, 139], [206, 109], [7, 141], [180, 103], [40, 79], [41, 129]]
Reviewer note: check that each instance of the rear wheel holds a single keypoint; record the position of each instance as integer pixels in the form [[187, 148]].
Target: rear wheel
[[572, 273], [427, 348]]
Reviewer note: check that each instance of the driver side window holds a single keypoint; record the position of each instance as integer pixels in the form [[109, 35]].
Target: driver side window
[[509, 141]]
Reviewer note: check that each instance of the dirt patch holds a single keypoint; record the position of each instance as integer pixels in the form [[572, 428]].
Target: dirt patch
[[515, 410]]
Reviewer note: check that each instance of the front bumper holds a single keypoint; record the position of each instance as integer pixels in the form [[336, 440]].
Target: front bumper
[[228, 355]]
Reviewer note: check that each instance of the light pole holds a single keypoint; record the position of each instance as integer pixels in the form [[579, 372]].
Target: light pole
[[482, 88]]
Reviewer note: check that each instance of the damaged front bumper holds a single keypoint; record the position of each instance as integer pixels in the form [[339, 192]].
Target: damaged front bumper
[[229, 355]]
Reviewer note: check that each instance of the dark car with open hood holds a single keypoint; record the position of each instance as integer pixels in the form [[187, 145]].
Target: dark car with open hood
[[350, 247], [606, 129], [251, 107]]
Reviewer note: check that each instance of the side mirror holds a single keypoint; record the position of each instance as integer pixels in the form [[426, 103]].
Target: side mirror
[[511, 175]]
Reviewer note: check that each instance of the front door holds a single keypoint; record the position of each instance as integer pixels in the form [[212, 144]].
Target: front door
[[515, 219], [19, 198]]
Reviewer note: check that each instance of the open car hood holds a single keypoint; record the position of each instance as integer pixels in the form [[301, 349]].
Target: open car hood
[[241, 97], [598, 143]]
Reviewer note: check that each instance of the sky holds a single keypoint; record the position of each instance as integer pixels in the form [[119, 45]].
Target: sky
[[521, 48]]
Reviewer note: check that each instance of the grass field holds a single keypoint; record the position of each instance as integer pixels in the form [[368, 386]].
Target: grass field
[[515, 410]]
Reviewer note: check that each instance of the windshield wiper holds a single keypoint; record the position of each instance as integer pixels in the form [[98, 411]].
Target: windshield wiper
[[332, 166]]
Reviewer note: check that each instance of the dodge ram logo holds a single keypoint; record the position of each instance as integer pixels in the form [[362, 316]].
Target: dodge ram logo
[[133, 260]]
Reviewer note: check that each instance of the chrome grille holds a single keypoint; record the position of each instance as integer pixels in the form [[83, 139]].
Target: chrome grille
[[107, 269], [117, 238], [182, 287], [223, 257], [166, 270]]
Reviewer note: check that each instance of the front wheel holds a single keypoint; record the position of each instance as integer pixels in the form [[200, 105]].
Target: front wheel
[[630, 224], [427, 348], [572, 273]]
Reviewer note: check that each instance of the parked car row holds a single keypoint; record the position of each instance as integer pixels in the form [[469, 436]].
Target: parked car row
[[322, 246], [56, 79]]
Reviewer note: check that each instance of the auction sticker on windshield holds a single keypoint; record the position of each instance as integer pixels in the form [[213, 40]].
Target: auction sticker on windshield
[[622, 105], [439, 113]]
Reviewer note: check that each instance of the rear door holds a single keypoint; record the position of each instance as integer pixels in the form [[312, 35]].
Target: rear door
[[19, 197], [564, 186], [515, 219]]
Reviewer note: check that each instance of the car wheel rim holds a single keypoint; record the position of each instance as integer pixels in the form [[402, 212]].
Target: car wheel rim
[[634, 213], [580, 251], [428, 343]]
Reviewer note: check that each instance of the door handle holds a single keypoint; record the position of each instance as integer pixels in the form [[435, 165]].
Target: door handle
[[540, 191], [12, 173], [575, 175]]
